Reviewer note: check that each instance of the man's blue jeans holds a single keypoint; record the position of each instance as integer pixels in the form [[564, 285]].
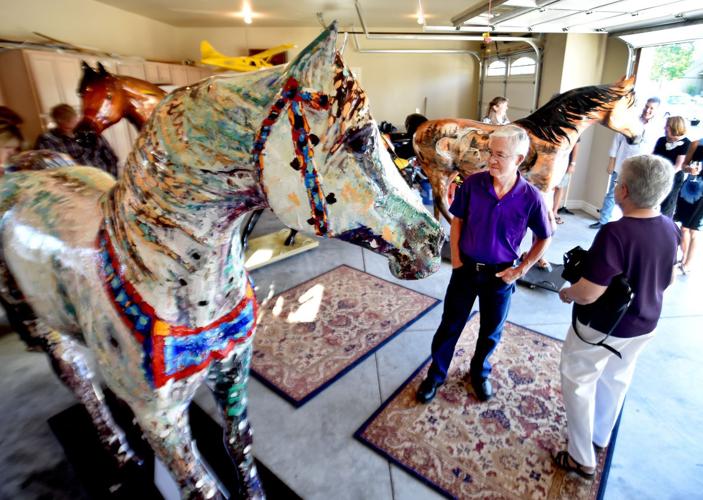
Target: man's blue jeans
[[606, 210], [494, 301]]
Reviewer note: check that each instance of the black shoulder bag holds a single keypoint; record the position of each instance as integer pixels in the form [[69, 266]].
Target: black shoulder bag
[[606, 312]]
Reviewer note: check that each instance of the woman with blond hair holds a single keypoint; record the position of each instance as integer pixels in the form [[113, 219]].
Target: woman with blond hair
[[673, 146]]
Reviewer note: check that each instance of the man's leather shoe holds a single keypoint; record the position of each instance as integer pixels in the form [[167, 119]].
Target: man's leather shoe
[[484, 390], [427, 390], [596, 225]]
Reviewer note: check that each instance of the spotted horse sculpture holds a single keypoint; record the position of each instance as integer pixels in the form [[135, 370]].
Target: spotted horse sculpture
[[147, 271]]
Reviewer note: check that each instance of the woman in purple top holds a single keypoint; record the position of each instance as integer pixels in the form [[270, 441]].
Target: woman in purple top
[[492, 211], [594, 381]]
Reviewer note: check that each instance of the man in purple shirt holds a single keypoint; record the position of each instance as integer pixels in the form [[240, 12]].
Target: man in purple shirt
[[641, 246], [492, 211]]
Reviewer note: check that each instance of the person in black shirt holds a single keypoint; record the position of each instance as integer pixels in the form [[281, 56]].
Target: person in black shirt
[[673, 146], [63, 139]]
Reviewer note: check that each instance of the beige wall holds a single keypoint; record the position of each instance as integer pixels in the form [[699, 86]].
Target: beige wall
[[584, 56], [89, 24], [577, 60], [552, 64], [397, 84], [592, 179]]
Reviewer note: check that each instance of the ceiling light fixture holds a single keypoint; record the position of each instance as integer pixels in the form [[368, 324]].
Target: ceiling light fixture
[[246, 12], [420, 13]]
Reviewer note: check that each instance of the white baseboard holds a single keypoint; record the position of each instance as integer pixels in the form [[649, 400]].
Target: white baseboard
[[583, 206]]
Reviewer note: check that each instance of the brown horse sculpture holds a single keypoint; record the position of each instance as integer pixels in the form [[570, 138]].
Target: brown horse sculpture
[[454, 146], [107, 98]]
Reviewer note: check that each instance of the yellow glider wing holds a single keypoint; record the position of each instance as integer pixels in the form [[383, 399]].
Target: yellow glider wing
[[212, 57]]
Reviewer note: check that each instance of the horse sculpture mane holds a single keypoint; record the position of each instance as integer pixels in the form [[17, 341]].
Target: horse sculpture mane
[[561, 115], [147, 271], [454, 146]]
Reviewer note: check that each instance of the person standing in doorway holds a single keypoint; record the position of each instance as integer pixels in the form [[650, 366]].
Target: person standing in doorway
[[689, 207], [673, 146], [492, 211], [497, 111], [562, 188], [620, 150]]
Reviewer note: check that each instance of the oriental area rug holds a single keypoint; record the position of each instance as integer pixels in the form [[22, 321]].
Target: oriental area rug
[[498, 449], [312, 334]]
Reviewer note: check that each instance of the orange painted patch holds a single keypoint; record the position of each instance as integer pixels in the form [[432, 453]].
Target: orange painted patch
[[387, 234], [294, 198]]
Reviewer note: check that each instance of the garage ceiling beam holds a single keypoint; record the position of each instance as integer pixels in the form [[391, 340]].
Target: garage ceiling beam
[[459, 19]]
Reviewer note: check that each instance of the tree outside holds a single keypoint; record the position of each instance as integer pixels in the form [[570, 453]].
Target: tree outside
[[671, 61]]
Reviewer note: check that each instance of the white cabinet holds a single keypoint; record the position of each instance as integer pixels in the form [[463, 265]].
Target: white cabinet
[[158, 73], [33, 81]]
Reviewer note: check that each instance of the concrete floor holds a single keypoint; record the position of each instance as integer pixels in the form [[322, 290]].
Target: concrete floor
[[657, 454]]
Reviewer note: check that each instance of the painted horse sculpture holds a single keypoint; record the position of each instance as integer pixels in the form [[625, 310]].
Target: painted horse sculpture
[[147, 271], [454, 146], [106, 99]]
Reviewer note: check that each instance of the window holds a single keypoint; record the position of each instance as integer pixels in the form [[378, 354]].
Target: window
[[523, 66], [496, 68]]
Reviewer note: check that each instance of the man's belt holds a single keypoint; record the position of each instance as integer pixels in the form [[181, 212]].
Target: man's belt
[[481, 267]]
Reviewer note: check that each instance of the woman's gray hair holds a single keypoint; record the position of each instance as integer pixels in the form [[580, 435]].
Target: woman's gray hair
[[516, 136], [648, 179]]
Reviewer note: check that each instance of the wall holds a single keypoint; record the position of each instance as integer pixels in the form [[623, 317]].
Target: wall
[[584, 59], [397, 84], [591, 182], [576, 60], [552, 64], [88, 23]]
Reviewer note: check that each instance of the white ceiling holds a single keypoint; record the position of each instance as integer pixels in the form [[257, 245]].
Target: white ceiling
[[506, 16]]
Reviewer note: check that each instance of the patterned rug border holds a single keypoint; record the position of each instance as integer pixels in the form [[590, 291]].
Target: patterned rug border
[[358, 435], [300, 402]]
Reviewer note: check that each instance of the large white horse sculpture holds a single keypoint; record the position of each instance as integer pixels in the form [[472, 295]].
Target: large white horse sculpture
[[147, 272]]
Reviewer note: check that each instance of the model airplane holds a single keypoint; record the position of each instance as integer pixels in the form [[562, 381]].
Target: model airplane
[[212, 57]]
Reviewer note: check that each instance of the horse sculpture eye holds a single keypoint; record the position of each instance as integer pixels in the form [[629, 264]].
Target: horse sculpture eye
[[360, 140]]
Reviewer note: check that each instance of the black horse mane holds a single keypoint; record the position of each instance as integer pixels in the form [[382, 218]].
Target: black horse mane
[[552, 121]]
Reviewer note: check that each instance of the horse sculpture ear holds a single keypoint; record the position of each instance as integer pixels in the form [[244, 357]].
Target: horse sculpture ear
[[315, 62], [627, 82], [102, 70], [86, 68]]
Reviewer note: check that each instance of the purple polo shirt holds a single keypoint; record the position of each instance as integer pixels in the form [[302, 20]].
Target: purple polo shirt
[[644, 250], [493, 228]]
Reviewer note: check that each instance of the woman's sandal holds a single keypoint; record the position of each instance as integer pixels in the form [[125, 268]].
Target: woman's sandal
[[558, 220], [563, 462]]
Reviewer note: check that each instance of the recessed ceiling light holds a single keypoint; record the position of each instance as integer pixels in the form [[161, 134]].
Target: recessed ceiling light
[[420, 13], [246, 12]]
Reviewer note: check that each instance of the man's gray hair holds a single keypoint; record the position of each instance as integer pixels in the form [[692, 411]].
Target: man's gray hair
[[517, 137], [648, 179]]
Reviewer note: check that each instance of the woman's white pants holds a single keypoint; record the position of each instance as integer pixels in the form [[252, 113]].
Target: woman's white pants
[[594, 382]]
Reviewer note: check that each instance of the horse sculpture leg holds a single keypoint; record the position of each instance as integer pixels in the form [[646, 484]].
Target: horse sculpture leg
[[167, 430], [71, 367], [228, 381]]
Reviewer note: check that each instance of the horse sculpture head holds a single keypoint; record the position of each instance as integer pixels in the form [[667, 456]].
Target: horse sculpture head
[[566, 114], [107, 98], [298, 139], [346, 185]]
